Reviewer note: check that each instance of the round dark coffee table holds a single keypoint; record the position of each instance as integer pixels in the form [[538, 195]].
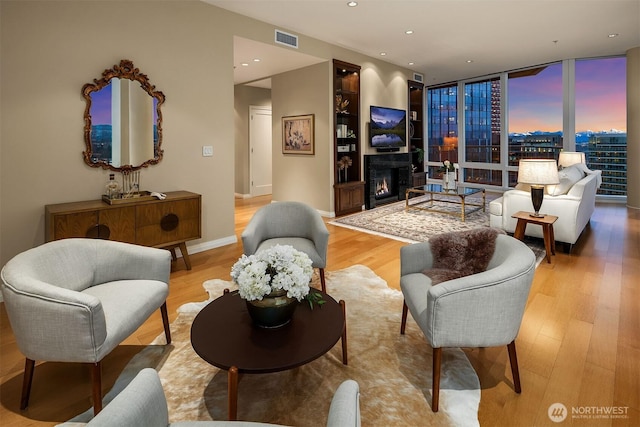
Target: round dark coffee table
[[224, 335]]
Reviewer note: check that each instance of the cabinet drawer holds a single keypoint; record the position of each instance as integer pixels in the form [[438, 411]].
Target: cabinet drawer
[[113, 224], [74, 224], [166, 223]]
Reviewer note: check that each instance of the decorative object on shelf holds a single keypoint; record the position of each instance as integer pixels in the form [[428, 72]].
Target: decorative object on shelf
[[412, 130], [130, 184], [272, 282], [341, 104], [298, 134], [112, 189], [129, 191], [343, 164], [538, 173], [420, 159], [341, 130]]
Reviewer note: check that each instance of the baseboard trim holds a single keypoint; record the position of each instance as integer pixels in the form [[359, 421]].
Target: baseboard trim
[[211, 244]]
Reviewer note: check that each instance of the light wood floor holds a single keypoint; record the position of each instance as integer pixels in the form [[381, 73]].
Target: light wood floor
[[579, 344]]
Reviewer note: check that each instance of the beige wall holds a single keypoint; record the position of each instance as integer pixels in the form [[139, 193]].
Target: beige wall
[[51, 48], [245, 97], [307, 178]]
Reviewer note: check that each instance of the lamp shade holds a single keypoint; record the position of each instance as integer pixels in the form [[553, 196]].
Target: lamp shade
[[568, 158], [538, 172]]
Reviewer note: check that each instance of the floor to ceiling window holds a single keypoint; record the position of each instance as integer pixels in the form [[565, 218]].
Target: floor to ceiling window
[[535, 115], [537, 121], [442, 127], [601, 120], [482, 124]]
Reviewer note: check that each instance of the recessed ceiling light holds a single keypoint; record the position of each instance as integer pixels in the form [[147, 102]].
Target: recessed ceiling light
[[612, 35], [409, 32], [244, 64], [411, 63], [383, 53], [352, 4], [469, 61], [256, 60]]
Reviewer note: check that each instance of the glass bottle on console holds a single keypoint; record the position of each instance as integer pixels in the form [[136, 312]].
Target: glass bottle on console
[[112, 188]]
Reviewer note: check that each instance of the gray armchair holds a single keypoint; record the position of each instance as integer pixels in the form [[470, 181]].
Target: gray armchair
[[75, 300], [143, 403], [289, 223], [478, 310]]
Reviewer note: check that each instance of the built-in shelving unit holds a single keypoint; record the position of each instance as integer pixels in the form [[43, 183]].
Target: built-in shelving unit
[[416, 130], [348, 185]]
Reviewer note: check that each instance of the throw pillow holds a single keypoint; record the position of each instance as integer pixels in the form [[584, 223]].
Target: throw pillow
[[461, 253], [568, 177]]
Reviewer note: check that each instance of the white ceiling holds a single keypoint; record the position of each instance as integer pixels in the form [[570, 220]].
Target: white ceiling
[[495, 35]]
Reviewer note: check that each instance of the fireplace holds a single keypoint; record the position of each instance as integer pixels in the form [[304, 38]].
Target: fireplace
[[386, 184], [387, 176]]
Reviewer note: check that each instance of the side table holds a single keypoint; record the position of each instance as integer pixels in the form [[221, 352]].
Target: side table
[[546, 222]]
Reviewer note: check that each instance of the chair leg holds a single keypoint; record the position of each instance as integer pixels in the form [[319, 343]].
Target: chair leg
[[324, 286], [165, 322], [513, 358], [29, 366], [96, 377], [435, 394], [403, 324]]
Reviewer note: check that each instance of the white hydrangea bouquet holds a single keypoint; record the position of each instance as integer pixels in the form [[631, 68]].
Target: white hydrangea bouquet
[[280, 267]]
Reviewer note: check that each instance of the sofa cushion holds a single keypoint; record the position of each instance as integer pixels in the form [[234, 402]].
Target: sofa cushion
[[568, 177]]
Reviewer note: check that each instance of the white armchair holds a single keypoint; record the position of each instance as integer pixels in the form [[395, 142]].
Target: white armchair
[[289, 223], [143, 403], [75, 300], [478, 310]]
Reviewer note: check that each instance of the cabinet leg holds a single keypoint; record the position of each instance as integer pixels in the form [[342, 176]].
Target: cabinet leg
[[185, 255]]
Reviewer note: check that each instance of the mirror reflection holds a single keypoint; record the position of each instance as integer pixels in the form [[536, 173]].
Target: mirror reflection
[[123, 129]]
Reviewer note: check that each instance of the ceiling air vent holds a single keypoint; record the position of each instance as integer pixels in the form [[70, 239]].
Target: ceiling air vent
[[418, 78], [286, 39]]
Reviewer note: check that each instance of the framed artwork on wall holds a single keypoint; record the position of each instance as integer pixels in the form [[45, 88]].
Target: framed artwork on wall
[[298, 135]]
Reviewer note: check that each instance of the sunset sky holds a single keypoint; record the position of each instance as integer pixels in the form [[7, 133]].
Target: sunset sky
[[535, 103]]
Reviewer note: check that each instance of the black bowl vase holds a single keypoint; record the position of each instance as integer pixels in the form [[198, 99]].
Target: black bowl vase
[[274, 310]]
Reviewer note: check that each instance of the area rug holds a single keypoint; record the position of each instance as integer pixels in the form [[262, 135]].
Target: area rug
[[392, 370], [416, 225]]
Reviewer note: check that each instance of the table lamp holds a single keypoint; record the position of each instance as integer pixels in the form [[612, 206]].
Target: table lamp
[[568, 158], [538, 173]]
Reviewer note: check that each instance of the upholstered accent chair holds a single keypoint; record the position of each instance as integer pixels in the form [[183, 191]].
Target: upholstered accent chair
[[478, 310], [289, 223], [143, 403], [75, 300]]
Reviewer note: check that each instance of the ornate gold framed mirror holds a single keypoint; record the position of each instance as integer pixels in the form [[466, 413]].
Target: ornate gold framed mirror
[[122, 120]]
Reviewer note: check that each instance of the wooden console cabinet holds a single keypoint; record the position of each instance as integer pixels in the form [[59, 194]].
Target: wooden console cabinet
[[167, 223]]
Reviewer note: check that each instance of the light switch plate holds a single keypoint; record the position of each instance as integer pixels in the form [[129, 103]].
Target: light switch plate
[[207, 150]]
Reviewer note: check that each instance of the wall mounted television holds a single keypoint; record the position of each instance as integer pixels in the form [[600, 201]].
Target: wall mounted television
[[387, 128]]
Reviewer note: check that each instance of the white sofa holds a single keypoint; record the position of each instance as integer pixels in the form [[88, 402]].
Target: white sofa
[[572, 201]]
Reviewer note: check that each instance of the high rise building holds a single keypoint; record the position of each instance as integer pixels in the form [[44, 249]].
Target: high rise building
[[608, 152]]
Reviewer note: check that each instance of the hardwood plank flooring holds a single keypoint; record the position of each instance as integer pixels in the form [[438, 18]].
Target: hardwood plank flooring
[[579, 343]]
